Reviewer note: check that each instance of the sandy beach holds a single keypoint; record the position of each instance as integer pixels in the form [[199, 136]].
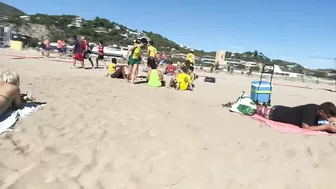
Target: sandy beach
[[96, 132]]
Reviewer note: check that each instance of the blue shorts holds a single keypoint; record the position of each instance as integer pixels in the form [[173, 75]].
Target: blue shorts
[[60, 50], [47, 48], [165, 61], [64, 50]]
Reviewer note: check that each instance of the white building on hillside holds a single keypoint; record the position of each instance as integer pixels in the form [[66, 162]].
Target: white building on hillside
[[25, 18], [76, 22]]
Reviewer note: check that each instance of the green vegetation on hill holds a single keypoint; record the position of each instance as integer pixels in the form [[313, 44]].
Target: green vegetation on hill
[[7, 10]]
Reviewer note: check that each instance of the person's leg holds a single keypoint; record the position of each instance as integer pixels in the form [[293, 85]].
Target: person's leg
[[123, 72], [130, 68], [90, 59], [134, 73]]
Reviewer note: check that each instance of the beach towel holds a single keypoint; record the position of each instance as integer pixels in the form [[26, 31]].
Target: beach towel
[[286, 128], [11, 116]]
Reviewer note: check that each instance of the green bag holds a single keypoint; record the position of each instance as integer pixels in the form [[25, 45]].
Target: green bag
[[244, 104]]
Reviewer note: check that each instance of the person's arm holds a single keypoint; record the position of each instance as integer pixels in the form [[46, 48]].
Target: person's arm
[[329, 128], [309, 120], [160, 75], [149, 72], [128, 52], [17, 100]]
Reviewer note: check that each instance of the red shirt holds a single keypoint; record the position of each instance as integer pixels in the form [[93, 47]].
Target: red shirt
[[170, 69], [86, 44], [101, 49]]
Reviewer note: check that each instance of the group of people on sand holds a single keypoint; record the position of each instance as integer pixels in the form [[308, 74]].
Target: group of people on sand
[[182, 78]]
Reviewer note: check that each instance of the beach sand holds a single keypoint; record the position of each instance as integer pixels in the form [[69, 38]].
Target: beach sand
[[96, 132]]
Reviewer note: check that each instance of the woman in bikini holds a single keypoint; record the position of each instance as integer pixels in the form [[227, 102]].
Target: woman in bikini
[[10, 95]]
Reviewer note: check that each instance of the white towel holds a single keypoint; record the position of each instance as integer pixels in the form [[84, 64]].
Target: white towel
[[11, 116]]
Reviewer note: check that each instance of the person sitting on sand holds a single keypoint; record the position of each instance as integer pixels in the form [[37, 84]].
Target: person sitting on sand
[[154, 76], [190, 68], [182, 81], [113, 72], [10, 92], [304, 116]]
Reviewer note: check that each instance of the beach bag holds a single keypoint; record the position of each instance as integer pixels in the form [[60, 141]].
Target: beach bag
[[244, 105], [210, 79]]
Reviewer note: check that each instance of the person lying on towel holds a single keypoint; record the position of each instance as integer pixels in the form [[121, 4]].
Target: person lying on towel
[[10, 95], [305, 116]]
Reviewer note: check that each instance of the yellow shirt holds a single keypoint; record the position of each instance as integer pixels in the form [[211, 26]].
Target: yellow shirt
[[184, 80], [137, 52], [190, 57], [152, 51], [111, 68]]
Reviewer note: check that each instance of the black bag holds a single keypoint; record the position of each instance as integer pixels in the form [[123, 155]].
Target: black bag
[[210, 79]]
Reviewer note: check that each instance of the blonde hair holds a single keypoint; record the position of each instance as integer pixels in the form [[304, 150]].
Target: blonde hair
[[10, 76]]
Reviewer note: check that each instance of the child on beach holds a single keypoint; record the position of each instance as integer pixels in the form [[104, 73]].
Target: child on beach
[[100, 54], [154, 76], [182, 81], [114, 72]]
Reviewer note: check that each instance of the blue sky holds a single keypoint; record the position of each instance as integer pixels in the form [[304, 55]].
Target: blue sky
[[302, 31]]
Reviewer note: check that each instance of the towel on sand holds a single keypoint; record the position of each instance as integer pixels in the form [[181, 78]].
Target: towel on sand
[[11, 116], [287, 128]]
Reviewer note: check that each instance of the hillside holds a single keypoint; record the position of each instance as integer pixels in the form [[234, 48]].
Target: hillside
[[7, 10], [65, 26]]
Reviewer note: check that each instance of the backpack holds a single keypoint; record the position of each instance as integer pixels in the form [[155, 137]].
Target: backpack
[[210, 79]]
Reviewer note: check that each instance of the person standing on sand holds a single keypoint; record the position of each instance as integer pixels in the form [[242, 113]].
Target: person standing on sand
[[134, 59], [64, 48], [59, 47], [100, 54], [47, 47], [191, 57], [304, 116], [152, 51], [87, 51], [77, 47]]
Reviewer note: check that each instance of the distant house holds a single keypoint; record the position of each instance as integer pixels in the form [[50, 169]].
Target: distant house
[[180, 55], [25, 18], [101, 30], [208, 60], [76, 22]]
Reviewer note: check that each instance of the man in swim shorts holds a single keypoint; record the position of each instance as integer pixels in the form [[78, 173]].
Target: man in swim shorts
[[78, 50]]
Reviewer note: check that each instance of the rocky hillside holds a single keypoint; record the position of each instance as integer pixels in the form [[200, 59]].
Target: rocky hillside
[[7, 10]]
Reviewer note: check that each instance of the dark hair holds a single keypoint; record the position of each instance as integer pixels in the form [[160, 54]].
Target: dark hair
[[101, 42], [74, 37], [328, 108], [152, 63], [184, 69], [137, 41], [114, 60], [151, 42], [144, 41]]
